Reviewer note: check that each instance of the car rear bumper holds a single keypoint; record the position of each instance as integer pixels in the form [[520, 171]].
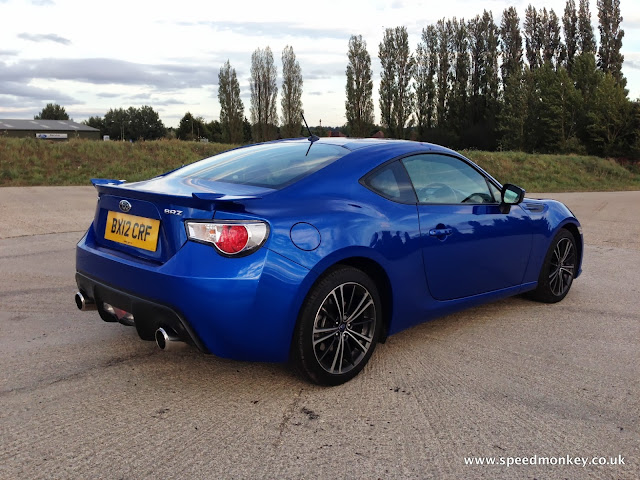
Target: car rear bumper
[[241, 308]]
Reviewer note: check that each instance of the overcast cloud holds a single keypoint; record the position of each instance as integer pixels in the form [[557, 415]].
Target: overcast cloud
[[44, 37], [92, 57]]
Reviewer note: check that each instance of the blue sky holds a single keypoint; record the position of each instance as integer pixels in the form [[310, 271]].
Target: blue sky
[[93, 56]]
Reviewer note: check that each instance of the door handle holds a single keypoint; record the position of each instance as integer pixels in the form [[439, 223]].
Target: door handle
[[440, 232]]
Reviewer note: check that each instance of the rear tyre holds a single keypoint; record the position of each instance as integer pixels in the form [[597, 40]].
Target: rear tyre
[[558, 270], [338, 327]]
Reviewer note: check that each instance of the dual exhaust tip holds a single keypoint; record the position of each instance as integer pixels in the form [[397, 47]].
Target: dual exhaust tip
[[166, 339]]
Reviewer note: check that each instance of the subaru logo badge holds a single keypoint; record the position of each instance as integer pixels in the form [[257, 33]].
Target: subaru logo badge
[[125, 206]]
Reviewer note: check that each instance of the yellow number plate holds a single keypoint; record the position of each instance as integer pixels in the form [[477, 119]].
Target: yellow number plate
[[131, 230]]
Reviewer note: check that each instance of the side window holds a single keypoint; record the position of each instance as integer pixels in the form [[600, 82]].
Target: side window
[[391, 182], [497, 194], [443, 179]]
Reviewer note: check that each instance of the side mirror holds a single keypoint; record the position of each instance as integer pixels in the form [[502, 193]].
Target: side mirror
[[511, 195]]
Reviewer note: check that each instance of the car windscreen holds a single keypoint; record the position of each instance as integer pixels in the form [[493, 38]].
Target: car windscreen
[[271, 165]]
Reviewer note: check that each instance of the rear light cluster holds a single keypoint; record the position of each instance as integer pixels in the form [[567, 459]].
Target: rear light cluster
[[229, 237]]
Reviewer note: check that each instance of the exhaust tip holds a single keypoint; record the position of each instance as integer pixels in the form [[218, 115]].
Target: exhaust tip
[[84, 303], [162, 338], [167, 340]]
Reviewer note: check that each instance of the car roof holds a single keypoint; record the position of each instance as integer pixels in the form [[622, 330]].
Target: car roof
[[353, 144]]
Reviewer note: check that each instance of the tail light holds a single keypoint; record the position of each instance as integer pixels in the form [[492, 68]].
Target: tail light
[[229, 237]]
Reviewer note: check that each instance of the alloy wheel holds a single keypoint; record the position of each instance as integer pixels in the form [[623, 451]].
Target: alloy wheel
[[563, 262], [344, 328]]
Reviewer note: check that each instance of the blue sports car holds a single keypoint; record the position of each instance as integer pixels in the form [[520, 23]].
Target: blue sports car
[[314, 250]]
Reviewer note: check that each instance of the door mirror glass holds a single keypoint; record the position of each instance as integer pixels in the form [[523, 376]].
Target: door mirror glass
[[512, 194]]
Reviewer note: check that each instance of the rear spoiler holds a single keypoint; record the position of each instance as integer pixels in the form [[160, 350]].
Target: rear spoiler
[[200, 200]]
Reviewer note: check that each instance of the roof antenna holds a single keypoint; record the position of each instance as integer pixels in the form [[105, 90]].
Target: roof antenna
[[312, 138]]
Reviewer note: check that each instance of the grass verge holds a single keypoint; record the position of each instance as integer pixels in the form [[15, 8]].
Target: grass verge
[[27, 161]]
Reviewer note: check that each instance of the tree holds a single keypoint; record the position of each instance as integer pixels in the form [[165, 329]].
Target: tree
[[611, 122], [426, 66], [97, 122], [586, 38], [533, 32], [484, 91], [460, 88], [264, 92], [553, 50], [291, 94], [359, 103], [246, 131], [396, 97], [215, 132], [511, 120], [444, 30], [131, 124], [52, 111], [586, 77], [510, 45], [231, 106], [552, 107], [513, 112], [570, 25], [116, 123], [404, 97], [192, 128], [609, 57], [144, 124], [387, 81]]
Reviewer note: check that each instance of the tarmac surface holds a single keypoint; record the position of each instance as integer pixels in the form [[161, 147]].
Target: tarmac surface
[[80, 398]]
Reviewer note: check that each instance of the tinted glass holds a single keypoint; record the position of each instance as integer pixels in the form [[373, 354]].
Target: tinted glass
[[511, 196], [391, 182], [443, 179], [272, 165]]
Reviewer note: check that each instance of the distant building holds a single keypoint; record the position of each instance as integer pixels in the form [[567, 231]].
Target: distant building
[[378, 134], [47, 129]]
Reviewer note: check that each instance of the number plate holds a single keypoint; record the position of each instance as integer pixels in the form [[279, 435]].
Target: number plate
[[131, 230]]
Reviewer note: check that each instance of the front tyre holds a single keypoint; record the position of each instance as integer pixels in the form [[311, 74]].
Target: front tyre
[[558, 270], [338, 327]]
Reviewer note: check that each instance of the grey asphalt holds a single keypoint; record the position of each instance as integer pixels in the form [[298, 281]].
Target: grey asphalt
[[80, 398]]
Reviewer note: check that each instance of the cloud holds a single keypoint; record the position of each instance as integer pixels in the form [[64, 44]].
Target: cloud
[[42, 3], [44, 37], [140, 96], [168, 101], [108, 95], [18, 89], [316, 93], [102, 71], [274, 29], [8, 53], [324, 74], [632, 64]]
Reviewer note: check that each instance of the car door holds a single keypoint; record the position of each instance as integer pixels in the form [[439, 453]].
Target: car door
[[469, 247]]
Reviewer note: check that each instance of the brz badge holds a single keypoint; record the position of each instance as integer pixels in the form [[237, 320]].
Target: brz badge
[[124, 206], [172, 212]]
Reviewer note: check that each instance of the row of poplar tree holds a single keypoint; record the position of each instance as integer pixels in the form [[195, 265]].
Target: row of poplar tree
[[467, 85], [546, 87], [264, 93]]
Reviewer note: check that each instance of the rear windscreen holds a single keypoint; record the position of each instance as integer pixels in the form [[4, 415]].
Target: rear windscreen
[[270, 165]]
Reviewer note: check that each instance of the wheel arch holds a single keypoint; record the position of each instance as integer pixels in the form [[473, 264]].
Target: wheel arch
[[376, 272], [379, 276], [573, 229]]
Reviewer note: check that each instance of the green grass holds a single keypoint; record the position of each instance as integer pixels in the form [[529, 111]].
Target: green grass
[[26, 161], [35, 162], [558, 173]]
